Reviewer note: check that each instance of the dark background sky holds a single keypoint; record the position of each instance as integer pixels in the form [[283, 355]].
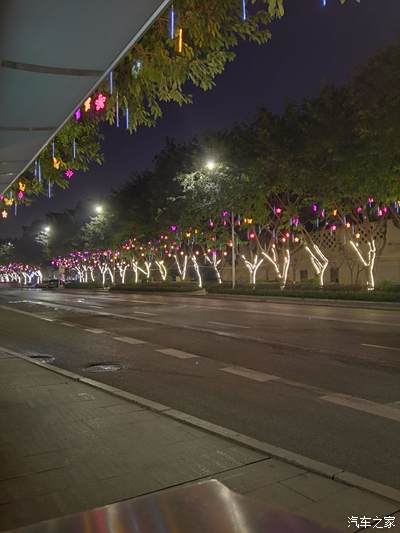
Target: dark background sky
[[311, 45]]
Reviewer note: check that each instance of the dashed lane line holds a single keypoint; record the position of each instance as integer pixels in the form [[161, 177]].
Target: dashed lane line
[[345, 320], [177, 353], [94, 330], [344, 400], [394, 348], [129, 340], [233, 335], [389, 411], [228, 324], [366, 406], [249, 374]]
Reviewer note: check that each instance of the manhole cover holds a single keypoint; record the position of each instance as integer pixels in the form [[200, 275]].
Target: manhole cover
[[42, 358], [104, 367]]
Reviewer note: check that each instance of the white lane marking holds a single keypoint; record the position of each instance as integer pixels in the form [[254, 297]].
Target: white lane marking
[[249, 374], [119, 299], [144, 313], [68, 324], [255, 312], [183, 326], [294, 315], [227, 324], [129, 340], [382, 347], [177, 353], [394, 405], [94, 330], [363, 405], [5, 308]]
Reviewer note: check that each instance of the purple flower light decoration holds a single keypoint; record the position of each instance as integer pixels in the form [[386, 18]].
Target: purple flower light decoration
[[77, 114], [69, 173]]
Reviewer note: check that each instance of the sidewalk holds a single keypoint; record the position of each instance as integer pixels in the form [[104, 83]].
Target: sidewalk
[[66, 446]]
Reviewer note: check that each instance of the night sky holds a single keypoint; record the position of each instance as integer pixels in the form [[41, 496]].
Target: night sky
[[310, 46]]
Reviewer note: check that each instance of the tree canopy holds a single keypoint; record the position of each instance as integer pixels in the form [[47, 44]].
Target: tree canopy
[[189, 49]]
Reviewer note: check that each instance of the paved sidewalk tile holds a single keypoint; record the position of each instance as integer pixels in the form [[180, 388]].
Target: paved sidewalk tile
[[66, 446], [317, 498]]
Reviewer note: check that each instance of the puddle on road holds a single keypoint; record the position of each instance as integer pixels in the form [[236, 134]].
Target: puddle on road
[[103, 367], [42, 358]]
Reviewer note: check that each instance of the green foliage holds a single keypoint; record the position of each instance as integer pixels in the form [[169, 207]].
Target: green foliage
[[87, 139], [335, 149], [212, 29], [150, 201], [7, 252], [97, 232]]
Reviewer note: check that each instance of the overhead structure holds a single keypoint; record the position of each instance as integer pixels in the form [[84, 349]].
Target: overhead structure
[[52, 56]]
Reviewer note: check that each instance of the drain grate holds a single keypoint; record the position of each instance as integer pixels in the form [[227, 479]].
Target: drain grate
[[42, 358], [103, 367]]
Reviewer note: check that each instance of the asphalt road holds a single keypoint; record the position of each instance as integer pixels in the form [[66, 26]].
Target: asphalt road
[[317, 380]]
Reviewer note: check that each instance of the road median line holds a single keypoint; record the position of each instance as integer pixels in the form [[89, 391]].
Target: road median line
[[317, 467]]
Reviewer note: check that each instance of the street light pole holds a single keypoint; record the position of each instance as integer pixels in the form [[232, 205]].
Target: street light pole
[[233, 252]]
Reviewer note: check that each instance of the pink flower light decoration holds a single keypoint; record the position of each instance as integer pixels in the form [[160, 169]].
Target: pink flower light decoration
[[100, 102], [69, 173]]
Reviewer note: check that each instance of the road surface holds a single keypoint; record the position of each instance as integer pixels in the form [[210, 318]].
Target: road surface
[[321, 381]]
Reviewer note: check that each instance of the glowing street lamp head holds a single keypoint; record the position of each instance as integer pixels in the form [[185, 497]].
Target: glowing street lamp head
[[210, 165], [47, 229], [98, 209]]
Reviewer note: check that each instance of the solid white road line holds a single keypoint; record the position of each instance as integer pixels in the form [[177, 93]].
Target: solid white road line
[[382, 347], [129, 340], [249, 374], [177, 353], [96, 331], [68, 324], [365, 406], [227, 324]]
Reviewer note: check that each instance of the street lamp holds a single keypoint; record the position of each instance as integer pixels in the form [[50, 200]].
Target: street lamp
[[47, 229], [98, 209], [210, 165]]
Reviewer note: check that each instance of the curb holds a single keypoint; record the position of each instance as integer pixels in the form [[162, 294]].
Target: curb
[[311, 465]]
